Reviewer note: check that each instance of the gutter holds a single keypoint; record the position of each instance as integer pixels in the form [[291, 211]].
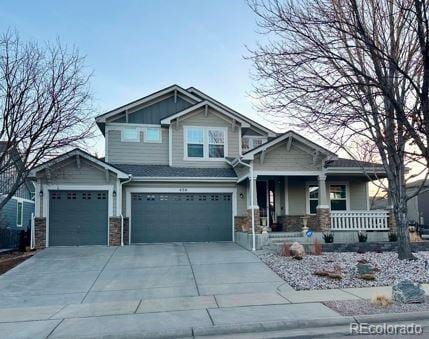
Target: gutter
[[130, 178], [251, 202]]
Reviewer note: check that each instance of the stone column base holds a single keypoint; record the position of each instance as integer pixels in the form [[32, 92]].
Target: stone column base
[[126, 231], [40, 232], [114, 231], [244, 223], [324, 219]]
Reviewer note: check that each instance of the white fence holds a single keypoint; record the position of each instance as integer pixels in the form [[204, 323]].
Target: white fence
[[359, 220]]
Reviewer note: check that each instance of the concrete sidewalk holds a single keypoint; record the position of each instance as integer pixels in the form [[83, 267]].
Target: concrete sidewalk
[[154, 290]]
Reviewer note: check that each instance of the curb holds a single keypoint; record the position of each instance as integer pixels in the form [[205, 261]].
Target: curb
[[392, 317]]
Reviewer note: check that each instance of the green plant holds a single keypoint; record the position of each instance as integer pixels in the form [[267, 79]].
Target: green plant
[[328, 237], [393, 237], [362, 236]]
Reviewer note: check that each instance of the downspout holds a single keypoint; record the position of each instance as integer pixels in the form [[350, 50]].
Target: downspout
[[251, 203], [130, 177]]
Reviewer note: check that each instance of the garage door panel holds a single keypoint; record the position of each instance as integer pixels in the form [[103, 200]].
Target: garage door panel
[[181, 217], [78, 218]]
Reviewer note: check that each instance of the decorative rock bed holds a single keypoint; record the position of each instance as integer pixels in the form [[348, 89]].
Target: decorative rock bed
[[362, 307], [386, 266]]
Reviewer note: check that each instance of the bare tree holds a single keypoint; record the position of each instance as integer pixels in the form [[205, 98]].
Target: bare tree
[[350, 69], [44, 106]]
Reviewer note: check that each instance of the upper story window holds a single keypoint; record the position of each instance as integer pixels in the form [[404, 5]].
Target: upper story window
[[130, 134], [338, 197], [251, 142], [205, 143], [153, 134]]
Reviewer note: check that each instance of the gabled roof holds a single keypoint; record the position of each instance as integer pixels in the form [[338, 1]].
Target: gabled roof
[[169, 119], [289, 134], [203, 95], [102, 117], [165, 171], [83, 154]]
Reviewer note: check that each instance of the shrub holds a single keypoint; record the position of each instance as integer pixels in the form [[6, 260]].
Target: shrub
[[363, 237], [285, 250], [381, 299], [393, 236], [317, 247], [328, 237]]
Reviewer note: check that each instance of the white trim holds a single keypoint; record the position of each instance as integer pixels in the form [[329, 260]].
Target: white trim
[[106, 146], [250, 155], [206, 143], [168, 120], [117, 126], [90, 158], [240, 151], [20, 199], [186, 179], [368, 203], [20, 217], [46, 201], [170, 146], [182, 190], [354, 170], [102, 118], [287, 173], [286, 192], [37, 205]]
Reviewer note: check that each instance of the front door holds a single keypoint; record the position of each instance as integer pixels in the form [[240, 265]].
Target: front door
[[266, 199]]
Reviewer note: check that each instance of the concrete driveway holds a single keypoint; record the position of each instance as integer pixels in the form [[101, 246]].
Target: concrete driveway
[[101, 291]]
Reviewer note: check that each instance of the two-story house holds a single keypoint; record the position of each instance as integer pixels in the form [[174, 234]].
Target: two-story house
[[182, 166]]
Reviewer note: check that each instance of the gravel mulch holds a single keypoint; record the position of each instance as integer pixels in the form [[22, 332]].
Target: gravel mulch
[[362, 307], [299, 273], [9, 260]]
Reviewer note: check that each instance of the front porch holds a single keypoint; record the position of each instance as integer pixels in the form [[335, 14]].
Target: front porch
[[282, 203]]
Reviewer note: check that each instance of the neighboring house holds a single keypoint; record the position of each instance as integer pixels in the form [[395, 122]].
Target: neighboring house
[[16, 214], [181, 166], [418, 206]]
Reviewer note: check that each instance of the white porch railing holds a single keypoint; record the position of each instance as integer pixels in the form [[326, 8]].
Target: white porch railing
[[359, 220]]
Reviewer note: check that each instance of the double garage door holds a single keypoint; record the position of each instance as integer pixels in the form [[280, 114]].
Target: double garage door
[[170, 217], [78, 218]]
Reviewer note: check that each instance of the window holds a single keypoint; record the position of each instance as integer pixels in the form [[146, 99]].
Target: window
[[195, 142], [153, 134], [338, 196], [248, 143], [205, 143], [130, 134], [313, 198], [216, 143], [19, 213]]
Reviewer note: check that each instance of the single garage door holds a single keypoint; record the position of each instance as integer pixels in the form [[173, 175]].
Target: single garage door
[[78, 218], [169, 217]]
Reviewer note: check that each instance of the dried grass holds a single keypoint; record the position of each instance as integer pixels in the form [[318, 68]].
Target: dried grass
[[317, 247], [285, 250], [381, 299]]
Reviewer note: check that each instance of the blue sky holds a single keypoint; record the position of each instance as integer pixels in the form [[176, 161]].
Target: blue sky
[[137, 47]]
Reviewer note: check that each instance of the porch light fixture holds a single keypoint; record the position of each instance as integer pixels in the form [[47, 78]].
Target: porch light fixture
[[114, 194], [41, 194], [241, 195]]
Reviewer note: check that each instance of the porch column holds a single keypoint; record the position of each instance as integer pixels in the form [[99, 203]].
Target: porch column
[[323, 210], [253, 205]]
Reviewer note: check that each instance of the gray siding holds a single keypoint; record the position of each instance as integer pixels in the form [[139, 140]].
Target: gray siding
[[8, 215], [358, 195], [279, 159], [154, 113], [67, 173], [242, 202], [119, 152], [296, 195], [200, 119]]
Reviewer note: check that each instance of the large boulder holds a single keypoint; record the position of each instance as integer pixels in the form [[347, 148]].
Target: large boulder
[[407, 292], [297, 251]]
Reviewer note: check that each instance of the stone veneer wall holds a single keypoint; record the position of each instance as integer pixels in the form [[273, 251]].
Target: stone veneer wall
[[324, 219], [244, 223], [40, 232], [114, 231], [293, 223]]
